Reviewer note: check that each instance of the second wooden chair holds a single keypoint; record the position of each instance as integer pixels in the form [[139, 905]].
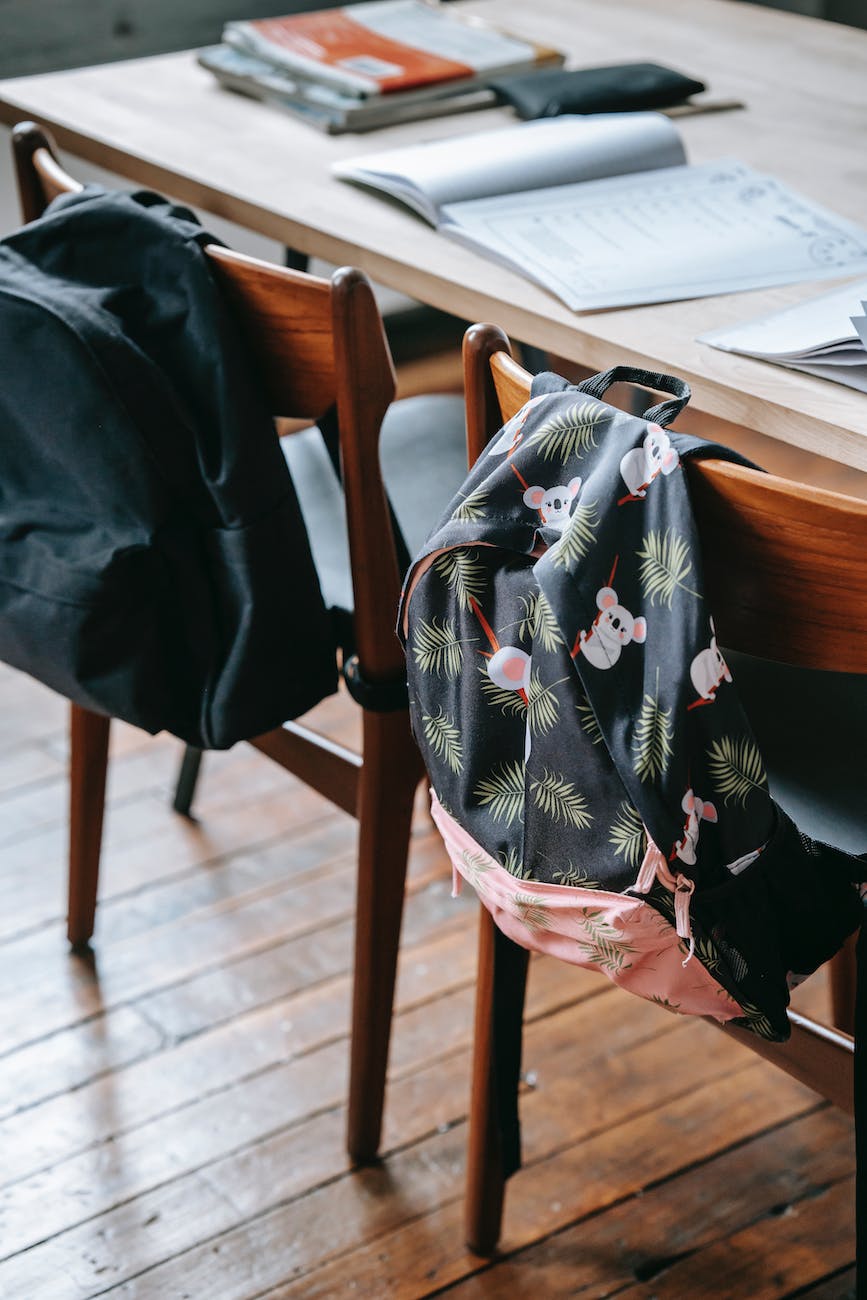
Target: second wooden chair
[[781, 561], [319, 345]]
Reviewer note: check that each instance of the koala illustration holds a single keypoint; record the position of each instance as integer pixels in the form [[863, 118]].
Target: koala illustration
[[553, 504], [745, 860], [613, 628], [708, 669], [640, 466], [510, 434], [696, 811], [509, 668]]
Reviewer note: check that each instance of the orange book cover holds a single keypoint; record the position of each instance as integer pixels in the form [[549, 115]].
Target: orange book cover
[[334, 38]]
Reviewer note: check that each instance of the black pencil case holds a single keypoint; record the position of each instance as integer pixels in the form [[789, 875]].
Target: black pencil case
[[624, 87]]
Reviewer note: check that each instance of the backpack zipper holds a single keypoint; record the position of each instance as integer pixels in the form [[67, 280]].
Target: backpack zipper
[[654, 867]]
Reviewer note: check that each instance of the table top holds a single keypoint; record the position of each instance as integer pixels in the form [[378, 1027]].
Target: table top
[[164, 122]]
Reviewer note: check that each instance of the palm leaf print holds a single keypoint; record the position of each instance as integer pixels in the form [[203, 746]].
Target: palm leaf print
[[707, 954], [558, 799], [757, 1021], [579, 536], [475, 867], [437, 648], [502, 792], [532, 912], [464, 574], [442, 734], [509, 701], [470, 508], [665, 565], [736, 768], [665, 1004], [539, 621], [574, 878], [652, 738], [569, 434], [511, 860], [605, 947], [587, 718], [445, 805], [543, 706], [627, 835]]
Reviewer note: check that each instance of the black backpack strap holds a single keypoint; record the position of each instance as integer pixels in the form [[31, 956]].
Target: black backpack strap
[[664, 412], [330, 431], [861, 1117], [597, 386], [376, 697]]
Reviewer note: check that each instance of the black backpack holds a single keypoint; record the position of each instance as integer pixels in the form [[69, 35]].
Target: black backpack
[[154, 564]]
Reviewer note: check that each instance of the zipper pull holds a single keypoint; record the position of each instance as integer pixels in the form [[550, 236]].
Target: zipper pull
[[654, 867], [684, 888], [653, 864]]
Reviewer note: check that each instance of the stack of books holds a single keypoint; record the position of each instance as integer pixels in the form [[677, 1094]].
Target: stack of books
[[372, 64]]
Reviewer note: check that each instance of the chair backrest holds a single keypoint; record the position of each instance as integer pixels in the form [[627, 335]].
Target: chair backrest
[[317, 344], [785, 564]]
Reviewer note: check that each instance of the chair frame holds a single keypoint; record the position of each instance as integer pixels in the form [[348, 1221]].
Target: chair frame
[[319, 343], [751, 519]]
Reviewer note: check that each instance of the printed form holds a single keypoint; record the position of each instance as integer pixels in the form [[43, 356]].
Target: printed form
[[666, 234]]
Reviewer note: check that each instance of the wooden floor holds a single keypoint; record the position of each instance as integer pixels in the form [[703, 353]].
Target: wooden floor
[[171, 1119]]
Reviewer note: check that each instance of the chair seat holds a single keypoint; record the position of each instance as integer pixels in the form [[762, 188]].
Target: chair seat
[[424, 461], [812, 730]]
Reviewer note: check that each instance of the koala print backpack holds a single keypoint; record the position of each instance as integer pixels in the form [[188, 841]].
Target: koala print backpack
[[593, 774]]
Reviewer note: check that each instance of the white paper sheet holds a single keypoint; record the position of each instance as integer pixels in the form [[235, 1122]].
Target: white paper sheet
[[679, 232], [799, 331], [821, 336]]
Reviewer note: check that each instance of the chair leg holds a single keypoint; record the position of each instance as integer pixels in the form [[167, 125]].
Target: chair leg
[[185, 789], [485, 1179], [843, 968], [88, 762], [390, 774]]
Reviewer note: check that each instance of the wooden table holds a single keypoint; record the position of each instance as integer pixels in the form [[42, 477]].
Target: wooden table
[[163, 122]]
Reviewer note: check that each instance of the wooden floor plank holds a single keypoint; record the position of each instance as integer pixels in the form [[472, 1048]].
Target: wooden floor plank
[[769, 1259], [39, 957], [631, 1242], [242, 1046], [65, 1061], [839, 1286], [144, 843], [262, 1238], [15, 1201], [208, 999], [426, 1254], [26, 765], [147, 1109]]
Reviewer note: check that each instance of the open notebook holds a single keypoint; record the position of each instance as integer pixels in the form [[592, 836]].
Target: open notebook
[[604, 211]]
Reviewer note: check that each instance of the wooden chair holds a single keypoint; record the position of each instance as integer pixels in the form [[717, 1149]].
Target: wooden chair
[[319, 344], [781, 560]]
